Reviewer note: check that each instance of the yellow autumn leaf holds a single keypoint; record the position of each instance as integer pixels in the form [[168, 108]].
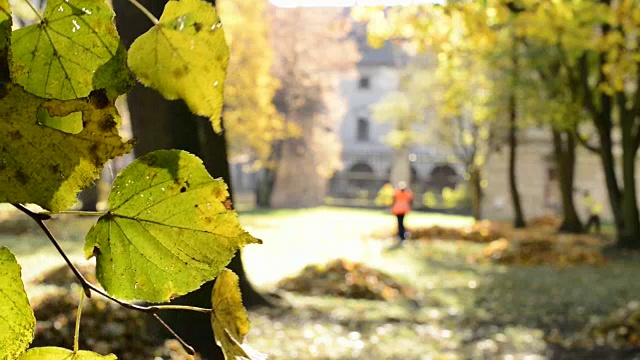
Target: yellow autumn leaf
[[229, 319], [185, 56]]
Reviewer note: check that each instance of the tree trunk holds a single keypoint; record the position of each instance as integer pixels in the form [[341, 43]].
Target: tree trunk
[[297, 181], [475, 187], [564, 144], [518, 220], [267, 179], [161, 124], [264, 188], [630, 237], [608, 166]]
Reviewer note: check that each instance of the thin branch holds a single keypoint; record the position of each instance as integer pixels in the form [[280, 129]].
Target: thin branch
[[39, 220], [586, 144], [145, 11], [89, 287], [181, 307], [78, 212], [76, 334], [34, 10], [186, 346]]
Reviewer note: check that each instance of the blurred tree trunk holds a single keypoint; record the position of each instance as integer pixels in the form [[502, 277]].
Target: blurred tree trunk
[[475, 187], [564, 144], [518, 220], [161, 124], [267, 179]]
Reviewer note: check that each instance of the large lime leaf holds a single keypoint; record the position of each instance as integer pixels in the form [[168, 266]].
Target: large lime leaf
[[42, 165], [168, 229], [229, 318], [70, 52], [16, 317], [185, 56], [56, 353]]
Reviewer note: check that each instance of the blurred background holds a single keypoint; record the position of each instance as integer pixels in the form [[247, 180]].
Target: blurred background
[[515, 124]]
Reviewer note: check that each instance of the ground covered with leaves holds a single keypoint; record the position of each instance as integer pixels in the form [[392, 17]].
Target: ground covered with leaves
[[347, 296]]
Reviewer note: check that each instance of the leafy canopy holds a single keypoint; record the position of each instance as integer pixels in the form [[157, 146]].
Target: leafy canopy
[[168, 229], [185, 56]]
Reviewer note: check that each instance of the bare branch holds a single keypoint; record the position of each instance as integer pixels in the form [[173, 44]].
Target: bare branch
[[88, 287]]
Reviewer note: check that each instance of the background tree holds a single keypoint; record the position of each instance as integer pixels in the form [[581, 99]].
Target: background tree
[[254, 126], [559, 112], [597, 42], [310, 51], [461, 98]]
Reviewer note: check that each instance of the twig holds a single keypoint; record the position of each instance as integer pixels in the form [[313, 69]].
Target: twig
[[76, 334], [88, 287], [79, 212], [39, 220], [34, 10], [145, 11], [186, 346]]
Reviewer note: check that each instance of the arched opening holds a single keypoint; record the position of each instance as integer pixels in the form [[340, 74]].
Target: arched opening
[[442, 176]]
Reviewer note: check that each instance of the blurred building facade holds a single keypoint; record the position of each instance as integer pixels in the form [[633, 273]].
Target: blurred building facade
[[367, 158]]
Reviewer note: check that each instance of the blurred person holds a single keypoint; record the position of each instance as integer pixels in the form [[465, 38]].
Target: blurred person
[[402, 199], [594, 208]]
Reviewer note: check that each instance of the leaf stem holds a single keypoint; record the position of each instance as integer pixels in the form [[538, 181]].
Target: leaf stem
[[38, 219], [186, 346], [76, 334], [145, 11], [34, 10], [181, 307], [78, 212], [88, 287]]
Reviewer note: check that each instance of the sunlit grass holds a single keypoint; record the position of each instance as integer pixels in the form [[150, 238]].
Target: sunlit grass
[[296, 238]]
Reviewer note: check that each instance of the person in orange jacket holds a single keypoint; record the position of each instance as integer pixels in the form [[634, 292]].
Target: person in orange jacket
[[402, 199]]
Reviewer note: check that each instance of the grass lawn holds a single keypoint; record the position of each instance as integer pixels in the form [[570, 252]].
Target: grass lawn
[[462, 310]]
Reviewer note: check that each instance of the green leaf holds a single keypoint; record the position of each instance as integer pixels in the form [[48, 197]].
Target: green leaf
[[229, 318], [56, 353], [185, 57], [168, 229], [17, 321], [70, 52], [48, 167]]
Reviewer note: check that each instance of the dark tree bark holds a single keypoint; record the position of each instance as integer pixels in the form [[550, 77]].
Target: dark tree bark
[[267, 180], [564, 144], [518, 220], [630, 236], [161, 124], [475, 178]]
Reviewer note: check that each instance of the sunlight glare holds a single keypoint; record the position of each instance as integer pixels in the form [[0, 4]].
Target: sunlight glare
[[349, 3]]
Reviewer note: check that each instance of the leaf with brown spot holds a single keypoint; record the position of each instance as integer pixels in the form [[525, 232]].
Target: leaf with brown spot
[[44, 165], [167, 231]]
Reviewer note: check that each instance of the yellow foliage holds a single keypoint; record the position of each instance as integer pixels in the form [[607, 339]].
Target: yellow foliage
[[385, 195], [251, 120]]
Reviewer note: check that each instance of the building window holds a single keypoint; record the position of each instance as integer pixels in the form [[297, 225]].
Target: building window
[[364, 83], [362, 132]]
